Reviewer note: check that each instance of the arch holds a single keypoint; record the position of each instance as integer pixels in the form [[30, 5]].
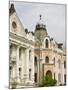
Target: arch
[[49, 73], [46, 59]]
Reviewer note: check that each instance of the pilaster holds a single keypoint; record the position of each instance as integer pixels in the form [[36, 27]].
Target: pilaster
[[17, 64]]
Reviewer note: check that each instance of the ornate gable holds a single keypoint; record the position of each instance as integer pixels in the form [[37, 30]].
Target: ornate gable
[[16, 26]]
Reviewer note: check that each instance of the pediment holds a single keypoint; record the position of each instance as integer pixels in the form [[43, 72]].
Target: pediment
[[16, 26]]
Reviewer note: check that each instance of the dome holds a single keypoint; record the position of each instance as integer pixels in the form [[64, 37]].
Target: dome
[[40, 24]]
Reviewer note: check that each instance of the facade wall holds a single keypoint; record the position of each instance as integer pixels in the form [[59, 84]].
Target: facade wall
[[55, 64], [21, 55], [31, 56]]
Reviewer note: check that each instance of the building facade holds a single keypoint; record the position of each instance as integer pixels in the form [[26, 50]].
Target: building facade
[[21, 53], [50, 56], [33, 54]]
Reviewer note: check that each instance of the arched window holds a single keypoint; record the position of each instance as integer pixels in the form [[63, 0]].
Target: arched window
[[20, 72], [35, 60], [29, 55], [47, 59], [30, 74], [46, 43], [64, 64], [64, 79], [54, 60], [10, 70]]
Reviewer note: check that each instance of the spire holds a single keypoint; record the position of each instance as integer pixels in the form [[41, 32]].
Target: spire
[[12, 9], [40, 24], [40, 19], [40, 16]]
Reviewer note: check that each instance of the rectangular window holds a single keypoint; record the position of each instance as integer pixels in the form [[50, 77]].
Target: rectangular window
[[64, 64], [19, 72], [20, 54], [65, 79], [29, 55], [10, 71], [29, 74], [35, 60], [54, 61]]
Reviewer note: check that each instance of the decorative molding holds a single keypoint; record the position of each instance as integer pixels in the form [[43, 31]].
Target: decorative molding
[[20, 38]]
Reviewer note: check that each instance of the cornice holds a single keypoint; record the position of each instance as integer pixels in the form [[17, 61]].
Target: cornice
[[20, 38]]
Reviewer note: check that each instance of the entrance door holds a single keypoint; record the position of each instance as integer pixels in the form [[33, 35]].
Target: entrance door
[[49, 73]]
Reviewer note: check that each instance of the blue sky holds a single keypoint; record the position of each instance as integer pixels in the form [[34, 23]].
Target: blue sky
[[53, 16]]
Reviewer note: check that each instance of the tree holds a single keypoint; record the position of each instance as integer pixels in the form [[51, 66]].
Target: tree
[[47, 81]]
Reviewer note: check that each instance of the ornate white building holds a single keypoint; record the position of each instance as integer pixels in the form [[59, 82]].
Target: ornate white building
[[21, 53], [33, 55]]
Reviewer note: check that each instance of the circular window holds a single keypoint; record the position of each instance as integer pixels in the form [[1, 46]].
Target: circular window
[[14, 24]]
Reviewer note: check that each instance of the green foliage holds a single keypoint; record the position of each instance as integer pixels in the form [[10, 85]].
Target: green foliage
[[47, 81]]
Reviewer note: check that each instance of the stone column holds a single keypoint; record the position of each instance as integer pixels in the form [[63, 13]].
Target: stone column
[[56, 70], [27, 65], [38, 69], [17, 64], [13, 61], [32, 65], [23, 64], [62, 73]]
